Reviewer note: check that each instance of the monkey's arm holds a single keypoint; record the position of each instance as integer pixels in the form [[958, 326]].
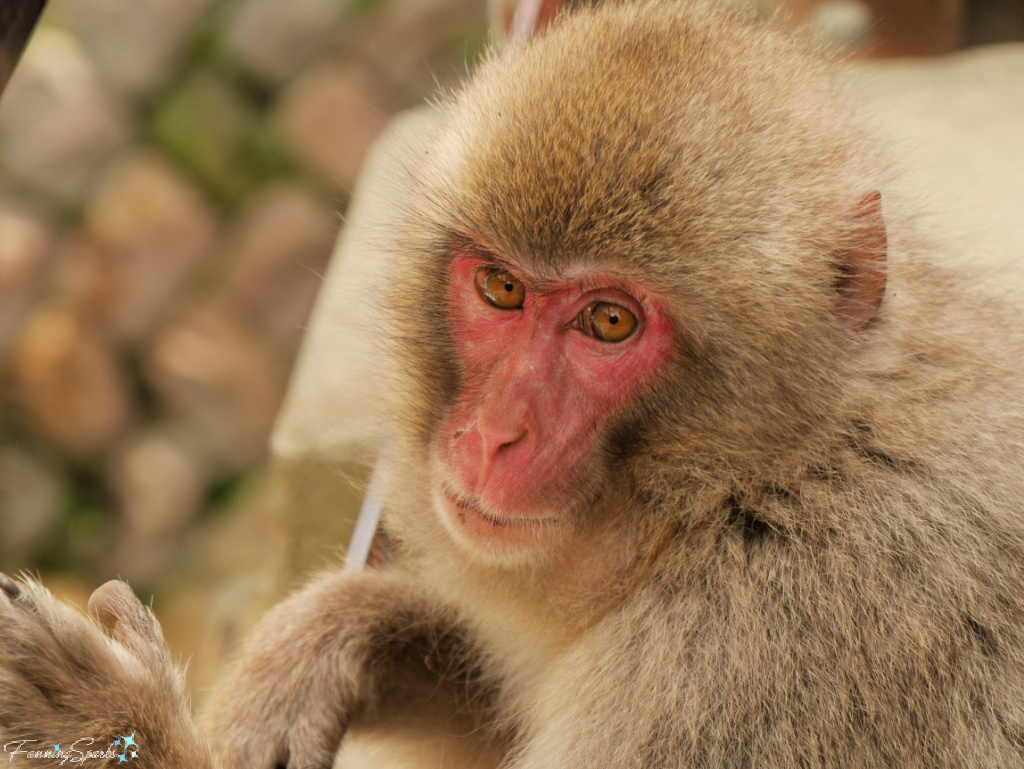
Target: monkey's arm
[[64, 681], [320, 658]]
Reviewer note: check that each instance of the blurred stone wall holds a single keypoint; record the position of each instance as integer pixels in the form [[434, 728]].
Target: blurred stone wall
[[172, 177]]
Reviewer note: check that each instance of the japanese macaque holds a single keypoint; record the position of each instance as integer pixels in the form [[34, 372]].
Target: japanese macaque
[[699, 462]]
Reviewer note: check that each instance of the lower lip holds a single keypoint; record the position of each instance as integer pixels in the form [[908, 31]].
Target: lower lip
[[503, 533]]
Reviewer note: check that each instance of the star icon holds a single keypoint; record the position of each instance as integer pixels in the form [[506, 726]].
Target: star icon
[[56, 748], [129, 741]]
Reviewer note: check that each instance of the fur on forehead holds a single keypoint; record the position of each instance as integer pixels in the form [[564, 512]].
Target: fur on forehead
[[575, 150]]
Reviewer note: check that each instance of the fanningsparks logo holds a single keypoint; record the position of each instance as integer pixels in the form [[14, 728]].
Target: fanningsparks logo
[[123, 749]]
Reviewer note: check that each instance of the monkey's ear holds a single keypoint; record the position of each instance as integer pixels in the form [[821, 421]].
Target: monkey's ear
[[531, 16], [862, 282]]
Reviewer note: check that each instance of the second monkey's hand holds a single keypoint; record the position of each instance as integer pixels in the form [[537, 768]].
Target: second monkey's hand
[[68, 688]]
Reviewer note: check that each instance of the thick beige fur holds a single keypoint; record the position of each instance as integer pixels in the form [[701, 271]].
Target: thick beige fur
[[807, 549]]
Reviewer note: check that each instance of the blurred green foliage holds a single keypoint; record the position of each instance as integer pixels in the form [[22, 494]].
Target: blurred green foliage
[[218, 135]]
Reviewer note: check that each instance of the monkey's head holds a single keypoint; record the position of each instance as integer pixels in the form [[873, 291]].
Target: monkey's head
[[646, 247]]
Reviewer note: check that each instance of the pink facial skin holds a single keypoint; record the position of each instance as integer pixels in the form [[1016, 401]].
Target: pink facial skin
[[515, 451]]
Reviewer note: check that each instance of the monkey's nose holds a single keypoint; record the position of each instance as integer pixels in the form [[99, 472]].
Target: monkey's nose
[[493, 451]]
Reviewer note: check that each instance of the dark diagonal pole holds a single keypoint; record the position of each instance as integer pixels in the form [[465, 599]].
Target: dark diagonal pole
[[17, 20]]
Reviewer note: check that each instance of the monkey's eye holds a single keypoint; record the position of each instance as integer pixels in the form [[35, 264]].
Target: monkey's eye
[[607, 322], [502, 289]]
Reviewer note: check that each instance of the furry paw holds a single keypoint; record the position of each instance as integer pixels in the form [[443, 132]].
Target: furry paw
[[277, 713], [66, 680], [303, 673]]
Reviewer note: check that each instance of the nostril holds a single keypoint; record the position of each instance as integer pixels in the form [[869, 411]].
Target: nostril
[[511, 443]]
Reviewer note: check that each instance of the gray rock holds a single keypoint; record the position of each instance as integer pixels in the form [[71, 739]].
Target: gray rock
[[422, 44], [158, 486], [277, 255], [58, 121], [144, 232], [136, 43], [25, 248], [159, 489], [216, 377], [274, 39], [67, 383], [31, 494], [329, 117]]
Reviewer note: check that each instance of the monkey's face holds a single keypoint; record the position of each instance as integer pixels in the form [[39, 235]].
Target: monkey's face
[[547, 361], [636, 267]]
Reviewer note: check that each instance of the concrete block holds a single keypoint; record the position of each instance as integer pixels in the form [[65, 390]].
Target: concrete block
[[328, 430]]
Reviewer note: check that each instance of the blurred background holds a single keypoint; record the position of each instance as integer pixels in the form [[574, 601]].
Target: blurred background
[[173, 174]]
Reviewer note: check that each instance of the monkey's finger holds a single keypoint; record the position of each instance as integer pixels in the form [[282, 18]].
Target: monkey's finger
[[116, 608]]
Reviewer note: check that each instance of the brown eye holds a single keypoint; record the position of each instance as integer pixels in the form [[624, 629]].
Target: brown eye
[[608, 322], [500, 288]]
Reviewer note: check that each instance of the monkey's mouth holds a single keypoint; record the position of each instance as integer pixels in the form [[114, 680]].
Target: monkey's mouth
[[471, 520], [471, 505]]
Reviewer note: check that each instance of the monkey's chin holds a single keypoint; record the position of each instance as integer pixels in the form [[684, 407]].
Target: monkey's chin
[[489, 532]]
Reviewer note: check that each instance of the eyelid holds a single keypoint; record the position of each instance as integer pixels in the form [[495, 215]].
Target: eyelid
[[608, 295]]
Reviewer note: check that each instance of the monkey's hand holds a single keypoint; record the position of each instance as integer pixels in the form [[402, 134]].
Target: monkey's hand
[[66, 684], [314, 662]]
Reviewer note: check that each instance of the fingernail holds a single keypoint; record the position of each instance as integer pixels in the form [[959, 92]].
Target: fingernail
[[10, 587]]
